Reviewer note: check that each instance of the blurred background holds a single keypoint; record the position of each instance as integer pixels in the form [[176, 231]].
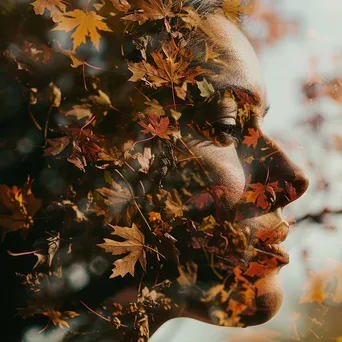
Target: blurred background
[[300, 50]]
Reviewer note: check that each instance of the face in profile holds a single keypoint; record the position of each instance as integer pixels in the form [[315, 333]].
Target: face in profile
[[233, 182], [185, 198], [249, 180]]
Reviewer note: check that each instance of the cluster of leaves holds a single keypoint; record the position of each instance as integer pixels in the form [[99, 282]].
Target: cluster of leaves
[[72, 121]]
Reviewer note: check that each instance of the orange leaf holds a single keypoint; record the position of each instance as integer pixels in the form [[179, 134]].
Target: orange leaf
[[85, 25], [56, 8], [252, 139], [262, 195], [155, 125]]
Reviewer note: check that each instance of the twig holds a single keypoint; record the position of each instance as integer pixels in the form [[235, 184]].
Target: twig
[[318, 218]]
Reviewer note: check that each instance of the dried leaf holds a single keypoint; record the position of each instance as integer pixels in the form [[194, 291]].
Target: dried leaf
[[56, 8], [207, 90], [133, 244], [150, 10], [262, 195], [21, 206], [252, 138]]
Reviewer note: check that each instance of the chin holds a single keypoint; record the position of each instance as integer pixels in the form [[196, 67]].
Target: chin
[[269, 297]]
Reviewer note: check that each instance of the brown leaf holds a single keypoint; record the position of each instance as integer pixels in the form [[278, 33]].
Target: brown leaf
[[57, 145], [80, 112], [145, 160], [121, 5], [157, 126], [21, 207], [56, 8], [150, 10], [53, 247], [133, 244]]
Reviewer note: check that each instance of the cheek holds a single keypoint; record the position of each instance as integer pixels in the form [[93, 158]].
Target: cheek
[[225, 171]]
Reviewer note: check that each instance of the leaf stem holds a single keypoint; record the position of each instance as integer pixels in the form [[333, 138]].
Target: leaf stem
[[133, 199]]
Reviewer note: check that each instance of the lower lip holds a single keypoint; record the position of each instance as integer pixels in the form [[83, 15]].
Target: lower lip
[[275, 251]]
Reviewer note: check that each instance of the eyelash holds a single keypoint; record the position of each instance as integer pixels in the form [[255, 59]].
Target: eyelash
[[232, 132]]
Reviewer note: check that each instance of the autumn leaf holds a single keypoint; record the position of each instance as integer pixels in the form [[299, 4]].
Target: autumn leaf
[[149, 10], [256, 269], [154, 108], [47, 257], [117, 203], [173, 68], [234, 8], [133, 245], [155, 125], [56, 317], [262, 195], [18, 207], [207, 90], [85, 25], [252, 138], [56, 8], [80, 112], [121, 5], [314, 289], [187, 274], [145, 160]]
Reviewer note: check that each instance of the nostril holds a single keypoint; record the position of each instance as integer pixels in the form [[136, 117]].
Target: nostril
[[303, 183]]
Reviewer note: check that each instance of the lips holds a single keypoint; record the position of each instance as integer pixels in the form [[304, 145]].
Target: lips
[[274, 251], [268, 232]]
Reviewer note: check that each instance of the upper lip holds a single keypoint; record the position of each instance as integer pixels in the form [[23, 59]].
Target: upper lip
[[268, 229]]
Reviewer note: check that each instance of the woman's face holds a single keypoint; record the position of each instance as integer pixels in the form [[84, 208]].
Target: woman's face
[[249, 176]]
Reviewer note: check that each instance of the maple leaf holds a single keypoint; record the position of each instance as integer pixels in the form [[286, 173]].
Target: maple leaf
[[58, 318], [207, 90], [133, 244], [56, 8], [252, 139], [117, 202], [84, 24], [154, 108], [21, 206], [262, 195], [80, 112], [150, 10], [234, 8], [173, 68], [121, 5], [157, 126]]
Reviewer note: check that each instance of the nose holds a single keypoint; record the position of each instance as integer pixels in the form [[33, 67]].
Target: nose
[[291, 178]]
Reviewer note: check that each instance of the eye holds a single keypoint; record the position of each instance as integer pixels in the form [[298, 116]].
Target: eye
[[227, 133]]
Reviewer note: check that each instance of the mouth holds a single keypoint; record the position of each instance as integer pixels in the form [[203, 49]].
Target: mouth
[[274, 251], [269, 231]]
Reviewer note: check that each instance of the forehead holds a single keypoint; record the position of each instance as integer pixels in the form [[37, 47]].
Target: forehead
[[237, 65]]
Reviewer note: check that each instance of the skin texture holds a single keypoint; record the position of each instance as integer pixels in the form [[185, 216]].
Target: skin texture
[[227, 167]]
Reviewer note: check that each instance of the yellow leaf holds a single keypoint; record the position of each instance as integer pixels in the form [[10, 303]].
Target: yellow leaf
[[233, 8], [85, 25], [133, 244], [56, 8]]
